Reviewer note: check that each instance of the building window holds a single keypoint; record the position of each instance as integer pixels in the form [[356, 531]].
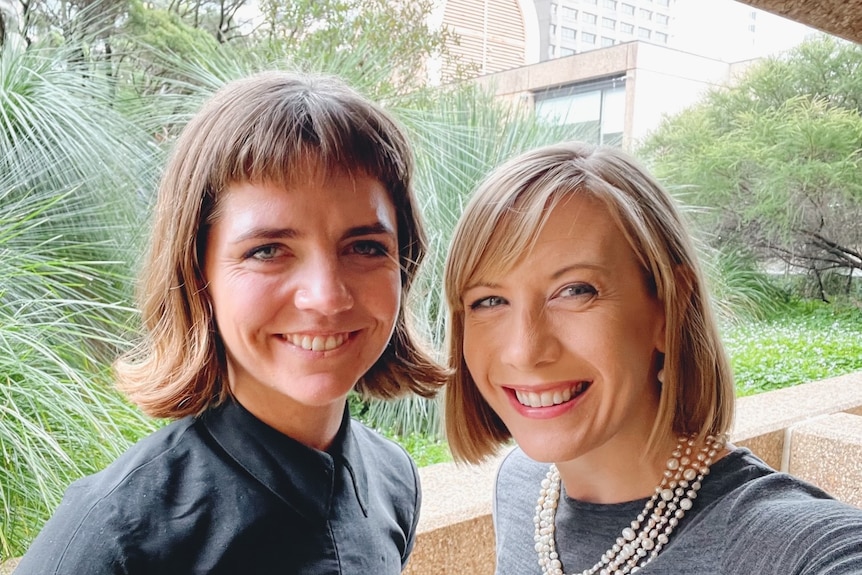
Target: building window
[[607, 42], [645, 14], [553, 9], [644, 33], [566, 51], [628, 10], [595, 113], [609, 23], [663, 2], [568, 33], [588, 18], [593, 2], [662, 19], [660, 37], [588, 38], [626, 28], [569, 13], [551, 51], [610, 4], [553, 29]]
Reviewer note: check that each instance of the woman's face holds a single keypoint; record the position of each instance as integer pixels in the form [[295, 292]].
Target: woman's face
[[563, 347], [305, 284]]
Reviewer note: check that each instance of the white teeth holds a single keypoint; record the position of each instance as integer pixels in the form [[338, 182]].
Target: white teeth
[[316, 342], [549, 398]]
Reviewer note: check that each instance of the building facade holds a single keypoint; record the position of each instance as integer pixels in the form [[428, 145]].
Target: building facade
[[568, 27], [493, 35], [612, 96]]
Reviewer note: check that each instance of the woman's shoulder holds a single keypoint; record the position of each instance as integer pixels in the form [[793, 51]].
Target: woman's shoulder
[[517, 475], [792, 522], [147, 457], [101, 513], [749, 483], [516, 467]]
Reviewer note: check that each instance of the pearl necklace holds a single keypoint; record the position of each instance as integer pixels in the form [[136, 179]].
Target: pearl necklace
[[641, 542]]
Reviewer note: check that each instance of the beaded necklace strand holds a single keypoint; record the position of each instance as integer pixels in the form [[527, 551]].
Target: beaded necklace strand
[[641, 542]]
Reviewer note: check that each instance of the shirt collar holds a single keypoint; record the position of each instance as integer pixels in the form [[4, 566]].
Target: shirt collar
[[303, 477]]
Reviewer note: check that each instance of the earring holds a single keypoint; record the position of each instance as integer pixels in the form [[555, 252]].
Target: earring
[[660, 375]]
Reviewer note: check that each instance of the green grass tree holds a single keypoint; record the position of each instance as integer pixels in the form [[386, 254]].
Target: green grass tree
[[72, 171]]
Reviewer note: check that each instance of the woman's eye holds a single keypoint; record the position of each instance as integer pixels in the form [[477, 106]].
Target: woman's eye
[[486, 302], [263, 253], [370, 248], [578, 290]]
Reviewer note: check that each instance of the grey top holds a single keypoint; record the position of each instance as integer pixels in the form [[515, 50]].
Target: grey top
[[747, 518], [224, 494]]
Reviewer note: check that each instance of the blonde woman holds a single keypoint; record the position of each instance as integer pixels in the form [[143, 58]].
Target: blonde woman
[[284, 241], [580, 326]]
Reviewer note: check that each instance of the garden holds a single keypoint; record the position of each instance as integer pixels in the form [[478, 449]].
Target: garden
[[91, 99]]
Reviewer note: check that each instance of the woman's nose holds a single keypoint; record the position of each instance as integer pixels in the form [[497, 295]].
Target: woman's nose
[[323, 288], [529, 341]]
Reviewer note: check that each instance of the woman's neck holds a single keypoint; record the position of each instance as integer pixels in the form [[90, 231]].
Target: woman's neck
[[615, 473]]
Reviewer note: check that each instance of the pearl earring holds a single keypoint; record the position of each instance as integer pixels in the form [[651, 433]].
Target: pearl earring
[[660, 375]]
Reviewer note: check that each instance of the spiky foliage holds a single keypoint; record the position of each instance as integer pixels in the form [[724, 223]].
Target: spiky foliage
[[71, 175]]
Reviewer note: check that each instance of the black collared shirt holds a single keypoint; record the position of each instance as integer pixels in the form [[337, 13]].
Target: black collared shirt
[[225, 493]]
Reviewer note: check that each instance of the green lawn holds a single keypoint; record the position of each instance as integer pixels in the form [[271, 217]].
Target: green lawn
[[809, 341]]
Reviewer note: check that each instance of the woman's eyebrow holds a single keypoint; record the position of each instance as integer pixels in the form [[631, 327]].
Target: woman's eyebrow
[[267, 234], [370, 230]]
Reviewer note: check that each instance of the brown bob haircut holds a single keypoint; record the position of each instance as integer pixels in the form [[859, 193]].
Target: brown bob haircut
[[499, 226], [272, 127]]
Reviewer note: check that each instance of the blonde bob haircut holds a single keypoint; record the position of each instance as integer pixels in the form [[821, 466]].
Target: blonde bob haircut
[[276, 128], [500, 224]]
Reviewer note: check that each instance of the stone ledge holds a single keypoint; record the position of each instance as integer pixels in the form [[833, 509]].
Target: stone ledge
[[781, 409], [828, 453], [455, 527]]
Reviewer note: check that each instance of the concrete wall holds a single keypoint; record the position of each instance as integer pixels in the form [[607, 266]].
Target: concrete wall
[[659, 80]]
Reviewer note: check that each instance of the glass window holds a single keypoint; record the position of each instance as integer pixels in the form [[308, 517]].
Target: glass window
[[610, 4], [568, 33], [588, 18], [628, 10], [626, 28], [570, 13], [553, 9], [588, 38], [551, 51], [645, 14], [660, 37], [662, 18], [663, 2], [607, 42], [566, 51], [609, 23], [644, 33], [613, 116], [553, 29], [595, 115]]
